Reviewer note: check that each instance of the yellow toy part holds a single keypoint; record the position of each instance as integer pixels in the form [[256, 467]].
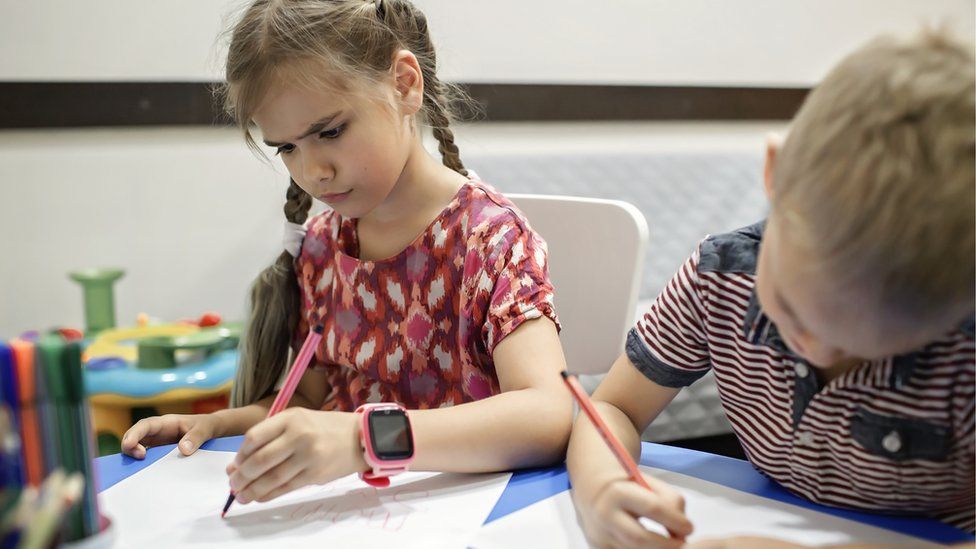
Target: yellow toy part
[[121, 342], [113, 413]]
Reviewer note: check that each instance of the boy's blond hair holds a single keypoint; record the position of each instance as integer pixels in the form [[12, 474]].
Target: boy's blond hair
[[876, 179]]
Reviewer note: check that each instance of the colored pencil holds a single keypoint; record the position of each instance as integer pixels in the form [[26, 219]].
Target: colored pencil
[[291, 383], [621, 453]]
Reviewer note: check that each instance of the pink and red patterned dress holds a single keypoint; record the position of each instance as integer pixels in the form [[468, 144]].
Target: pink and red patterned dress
[[419, 328]]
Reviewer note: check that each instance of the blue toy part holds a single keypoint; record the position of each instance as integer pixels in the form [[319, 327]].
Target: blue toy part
[[106, 363], [209, 374]]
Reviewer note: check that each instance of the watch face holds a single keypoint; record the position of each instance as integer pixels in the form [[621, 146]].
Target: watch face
[[389, 433]]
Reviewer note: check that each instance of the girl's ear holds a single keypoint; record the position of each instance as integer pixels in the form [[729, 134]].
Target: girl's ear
[[408, 81]]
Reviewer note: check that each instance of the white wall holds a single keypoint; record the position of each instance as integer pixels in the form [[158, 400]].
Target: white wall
[[190, 215], [758, 42], [193, 216]]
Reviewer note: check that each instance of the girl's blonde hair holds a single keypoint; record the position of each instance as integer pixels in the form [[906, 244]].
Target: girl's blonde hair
[[337, 45]]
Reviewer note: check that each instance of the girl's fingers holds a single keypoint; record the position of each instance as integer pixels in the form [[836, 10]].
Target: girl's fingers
[[261, 434], [131, 440], [260, 462], [199, 433], [135, 434], [153, 430], [295, 483], [271, 483], [139, 452]]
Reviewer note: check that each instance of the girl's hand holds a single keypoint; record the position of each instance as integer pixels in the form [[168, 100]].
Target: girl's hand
[[610, 519], [295, 448], [154, 431]]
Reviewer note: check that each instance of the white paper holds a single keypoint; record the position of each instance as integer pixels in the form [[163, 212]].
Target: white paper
[[177, 501], [716, 511]]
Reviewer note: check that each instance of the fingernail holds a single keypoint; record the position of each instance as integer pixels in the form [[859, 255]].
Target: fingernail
[[187, 445]]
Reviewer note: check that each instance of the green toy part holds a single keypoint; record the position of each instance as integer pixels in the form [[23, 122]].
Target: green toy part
[[97, 285]]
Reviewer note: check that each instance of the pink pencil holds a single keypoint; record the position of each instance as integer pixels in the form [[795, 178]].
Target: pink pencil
[[291, 383]]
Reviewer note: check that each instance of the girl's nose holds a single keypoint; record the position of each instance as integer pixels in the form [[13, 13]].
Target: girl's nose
[[317, 171]]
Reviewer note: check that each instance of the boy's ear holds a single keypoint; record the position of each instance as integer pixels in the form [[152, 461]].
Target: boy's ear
[[408, 81], [773, 144]]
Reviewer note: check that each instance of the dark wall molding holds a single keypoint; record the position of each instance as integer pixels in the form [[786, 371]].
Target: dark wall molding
[[86, 104]]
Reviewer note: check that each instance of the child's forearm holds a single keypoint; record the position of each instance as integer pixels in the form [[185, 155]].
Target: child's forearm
[[590, 462], [236, 421], [521, 428]]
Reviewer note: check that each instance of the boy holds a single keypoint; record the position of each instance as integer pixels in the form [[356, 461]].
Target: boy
[[840, 330]]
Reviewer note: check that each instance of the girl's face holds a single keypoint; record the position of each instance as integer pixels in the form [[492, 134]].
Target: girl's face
[[345, 150]]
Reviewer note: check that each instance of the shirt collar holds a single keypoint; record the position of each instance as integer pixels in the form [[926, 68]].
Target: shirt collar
[[759, 330]]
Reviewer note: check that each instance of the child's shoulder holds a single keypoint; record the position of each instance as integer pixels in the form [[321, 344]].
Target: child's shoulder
[[483, 211], [732, 252], [323, 225]]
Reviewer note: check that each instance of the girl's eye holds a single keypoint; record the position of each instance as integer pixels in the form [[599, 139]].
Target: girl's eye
[[333, 133]]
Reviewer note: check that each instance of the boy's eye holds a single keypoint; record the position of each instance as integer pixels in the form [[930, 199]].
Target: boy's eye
[[285, 149], [333, 133]]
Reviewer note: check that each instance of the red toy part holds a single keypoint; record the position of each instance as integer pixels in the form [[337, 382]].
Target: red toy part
[[209, 319], [71, 334], [209, 405]]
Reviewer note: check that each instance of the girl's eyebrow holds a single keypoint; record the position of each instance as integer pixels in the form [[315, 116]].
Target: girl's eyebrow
[[316, 127]]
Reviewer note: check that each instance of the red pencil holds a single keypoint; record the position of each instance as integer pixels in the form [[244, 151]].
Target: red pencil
[[291, 383], [621, 453]]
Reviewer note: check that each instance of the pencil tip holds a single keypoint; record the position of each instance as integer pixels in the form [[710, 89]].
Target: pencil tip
[[319, 329], [230, 499], [564, 373]]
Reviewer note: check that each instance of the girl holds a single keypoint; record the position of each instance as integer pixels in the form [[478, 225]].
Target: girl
[[432, 289]]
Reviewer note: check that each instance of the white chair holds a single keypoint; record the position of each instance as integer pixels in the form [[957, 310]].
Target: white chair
[[596, 255]]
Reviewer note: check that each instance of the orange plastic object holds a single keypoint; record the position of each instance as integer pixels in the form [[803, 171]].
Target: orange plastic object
[[209, 405], [31, 433]]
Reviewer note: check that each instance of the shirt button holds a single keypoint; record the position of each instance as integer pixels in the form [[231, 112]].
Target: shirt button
[[801, 369], [806, 438], [892, 442]]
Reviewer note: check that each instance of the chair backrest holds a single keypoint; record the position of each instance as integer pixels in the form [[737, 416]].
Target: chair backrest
[[596, 255]]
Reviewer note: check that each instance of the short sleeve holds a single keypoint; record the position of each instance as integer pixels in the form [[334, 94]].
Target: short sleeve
[[668, 344], [522, 290]]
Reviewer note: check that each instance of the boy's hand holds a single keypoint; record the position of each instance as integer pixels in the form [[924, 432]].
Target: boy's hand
[[157, 430], [295, 448], [611, 518]]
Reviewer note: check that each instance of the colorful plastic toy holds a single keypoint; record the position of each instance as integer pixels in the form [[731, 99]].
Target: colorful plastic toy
[[130, 373]]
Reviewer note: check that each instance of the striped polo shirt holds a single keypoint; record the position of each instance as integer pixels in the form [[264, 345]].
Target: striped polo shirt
[[893, 435]]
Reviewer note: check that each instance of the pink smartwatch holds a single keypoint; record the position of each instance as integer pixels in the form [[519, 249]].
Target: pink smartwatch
[[387, 441]]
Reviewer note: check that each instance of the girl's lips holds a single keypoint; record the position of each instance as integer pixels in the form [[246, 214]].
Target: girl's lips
[[332, 198]]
